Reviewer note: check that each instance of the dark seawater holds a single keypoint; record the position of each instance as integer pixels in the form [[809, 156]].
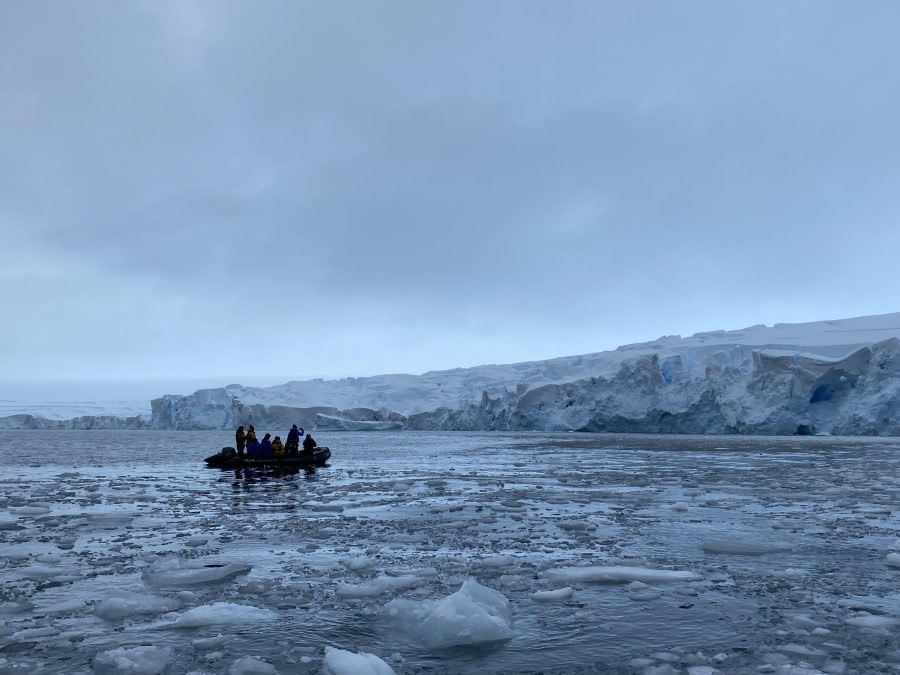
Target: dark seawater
[[793, 543]]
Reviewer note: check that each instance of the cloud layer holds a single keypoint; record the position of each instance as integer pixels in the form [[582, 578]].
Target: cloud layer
[[196, 188]]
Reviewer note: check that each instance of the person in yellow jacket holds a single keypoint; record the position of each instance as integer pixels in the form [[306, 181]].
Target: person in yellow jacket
[[277, 447]]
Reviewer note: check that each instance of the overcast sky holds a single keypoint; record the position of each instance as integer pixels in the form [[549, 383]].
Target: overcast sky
[[301, 189]]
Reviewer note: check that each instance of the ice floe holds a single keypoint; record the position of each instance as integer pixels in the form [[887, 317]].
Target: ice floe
[[124, 604], [218, 613], [613, 573], [145, 660], [173, 572], [474, 614], [343, 662]]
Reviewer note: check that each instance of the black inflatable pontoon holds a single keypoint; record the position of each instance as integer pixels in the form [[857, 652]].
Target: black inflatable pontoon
[[228, 458]]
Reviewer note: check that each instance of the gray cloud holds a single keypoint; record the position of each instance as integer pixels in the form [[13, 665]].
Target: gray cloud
[[365, 187]]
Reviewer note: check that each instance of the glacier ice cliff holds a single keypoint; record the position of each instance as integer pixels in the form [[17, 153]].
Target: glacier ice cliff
[[828, 377]]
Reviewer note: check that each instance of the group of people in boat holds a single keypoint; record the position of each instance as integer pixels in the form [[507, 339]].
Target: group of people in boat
[[269, 447]]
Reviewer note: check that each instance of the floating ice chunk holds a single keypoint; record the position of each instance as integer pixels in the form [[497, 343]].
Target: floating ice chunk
[[742, 546], [250, 665], [359, 563], [146, 660], [893, 559], [196, 540], [210, 642], [616, 573], [401, 487], [800, 650], [472, 615], [173, 571], [222, 613], [43, 572], [377, 586], [680, 506], [553, 596], [342, 662], [702, 670], [121, 605], [877, 621], [49, 558], [644, 596], [498, 561], [33, 633]]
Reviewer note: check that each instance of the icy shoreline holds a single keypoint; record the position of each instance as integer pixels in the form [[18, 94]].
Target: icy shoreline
[[829, 377]]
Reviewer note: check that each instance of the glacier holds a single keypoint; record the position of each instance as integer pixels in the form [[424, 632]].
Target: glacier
[[835, 377]]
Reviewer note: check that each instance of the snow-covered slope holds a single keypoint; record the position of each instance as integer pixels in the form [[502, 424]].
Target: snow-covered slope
[[822, 377]]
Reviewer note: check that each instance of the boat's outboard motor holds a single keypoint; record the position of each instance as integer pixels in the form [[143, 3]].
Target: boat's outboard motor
[[228, 452]]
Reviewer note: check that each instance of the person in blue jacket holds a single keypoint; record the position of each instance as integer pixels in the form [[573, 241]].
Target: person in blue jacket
[[292, 447], [265, 446], [252, 443]]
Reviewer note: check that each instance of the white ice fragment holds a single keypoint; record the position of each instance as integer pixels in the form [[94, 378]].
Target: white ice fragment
[[680, 506], [498, 561], [701, 670], [359, 563], [250, 665], [121, 605], [377, 586], [742, 546], [210, 642], [553, 596], [196, 540], [645, 596], [800, 650], [32, 633], [893, 559], [616, 573], [401, 487], [173, 571], [342, 662], [222, 613], [876, 621], [664, 669], [147, 660], [474, 614], [38, 572]]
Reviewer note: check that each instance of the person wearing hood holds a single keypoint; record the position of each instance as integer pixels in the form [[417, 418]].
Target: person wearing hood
[[265, 446], [240, 440], [252, 442], [277, 447], [309, 444], [292, 447]]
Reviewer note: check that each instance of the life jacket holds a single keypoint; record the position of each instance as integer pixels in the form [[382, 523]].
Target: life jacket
[[277, 448]]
